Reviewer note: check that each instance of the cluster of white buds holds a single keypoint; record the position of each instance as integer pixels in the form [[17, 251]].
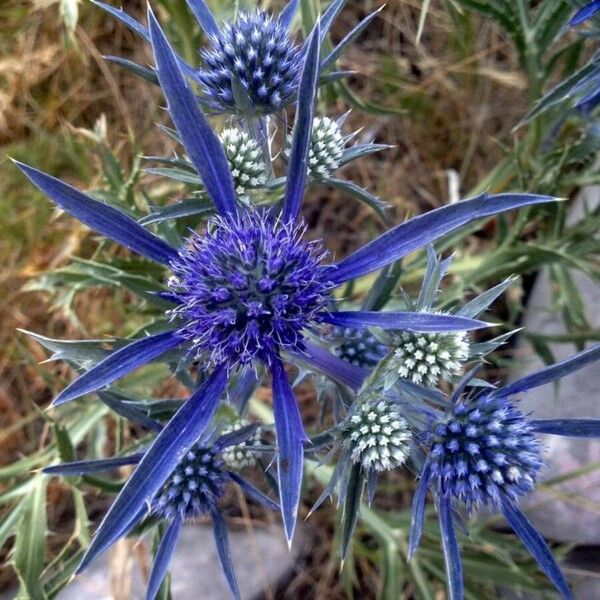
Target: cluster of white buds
[[245, 161], [427, 358], [377, 436], [241, 455], [326, 148]]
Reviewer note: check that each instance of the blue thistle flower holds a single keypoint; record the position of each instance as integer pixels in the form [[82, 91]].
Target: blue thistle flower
[[192, 489], [269, 338], [248, 288], [252, 66], [256, 53], [484, 451]]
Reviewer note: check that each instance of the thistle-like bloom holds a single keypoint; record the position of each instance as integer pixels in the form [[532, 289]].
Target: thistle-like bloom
[[255, 53], [247, 289], [356, 346], [251, 65], [244, 155], [484, 451], [377, 436], [259, 315], [191, 490], [426, 358]]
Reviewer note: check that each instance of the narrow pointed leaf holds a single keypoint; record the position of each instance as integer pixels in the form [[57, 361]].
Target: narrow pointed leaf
[[418, 510], [551, 373], [412, 321], [102, 218], [349, 187], [585, 13], [204, 17], [201, 142], [222, 542], [84, 467], [143, 72], [476, 306], [298, 163], [452, 558], [425, 229], [171, 444], [253, 493], [535, 543], [329, 16], [349, 38], [236, 437], [286, 16], [351, 507], [586, 428], [163, 558], [126, 19], [122, 406], [119, 363], [290, 447], [335, 367]]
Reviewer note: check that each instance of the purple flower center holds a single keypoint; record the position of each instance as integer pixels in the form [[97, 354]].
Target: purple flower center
[[484, 449], [248, 288]]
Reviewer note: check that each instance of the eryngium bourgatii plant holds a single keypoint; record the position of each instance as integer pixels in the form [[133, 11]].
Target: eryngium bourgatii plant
[[249, 293]]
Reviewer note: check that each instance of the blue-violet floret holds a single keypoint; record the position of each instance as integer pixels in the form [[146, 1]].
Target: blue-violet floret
[[248, 287], [485, 449]]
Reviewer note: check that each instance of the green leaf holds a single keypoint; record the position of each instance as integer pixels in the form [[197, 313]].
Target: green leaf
[[11, 521], [351, 509], [29, 549]]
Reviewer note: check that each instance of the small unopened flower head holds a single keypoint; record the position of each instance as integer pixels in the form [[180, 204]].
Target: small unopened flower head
[[193, 488], [258, 52], [244, 155], [427, 358], [377, 436], [326, 148], [241, 455], [483, 450], [247, 289], [357, 346]]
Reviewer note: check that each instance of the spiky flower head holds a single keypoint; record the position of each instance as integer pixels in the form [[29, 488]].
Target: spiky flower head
[[247, 288], [244, 155], [240, 455], [427, 358], [255, 50], [193, 488], [377, 436], [483, 450], [357, 346], [326, 147]]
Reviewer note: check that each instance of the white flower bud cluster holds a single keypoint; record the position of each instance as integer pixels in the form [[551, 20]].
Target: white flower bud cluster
[[240, 456], [327, 147], [377, 436], [427, 358], [245, 161]]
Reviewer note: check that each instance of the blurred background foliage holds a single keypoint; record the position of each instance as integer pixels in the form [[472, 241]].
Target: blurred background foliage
[[445, 82]]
